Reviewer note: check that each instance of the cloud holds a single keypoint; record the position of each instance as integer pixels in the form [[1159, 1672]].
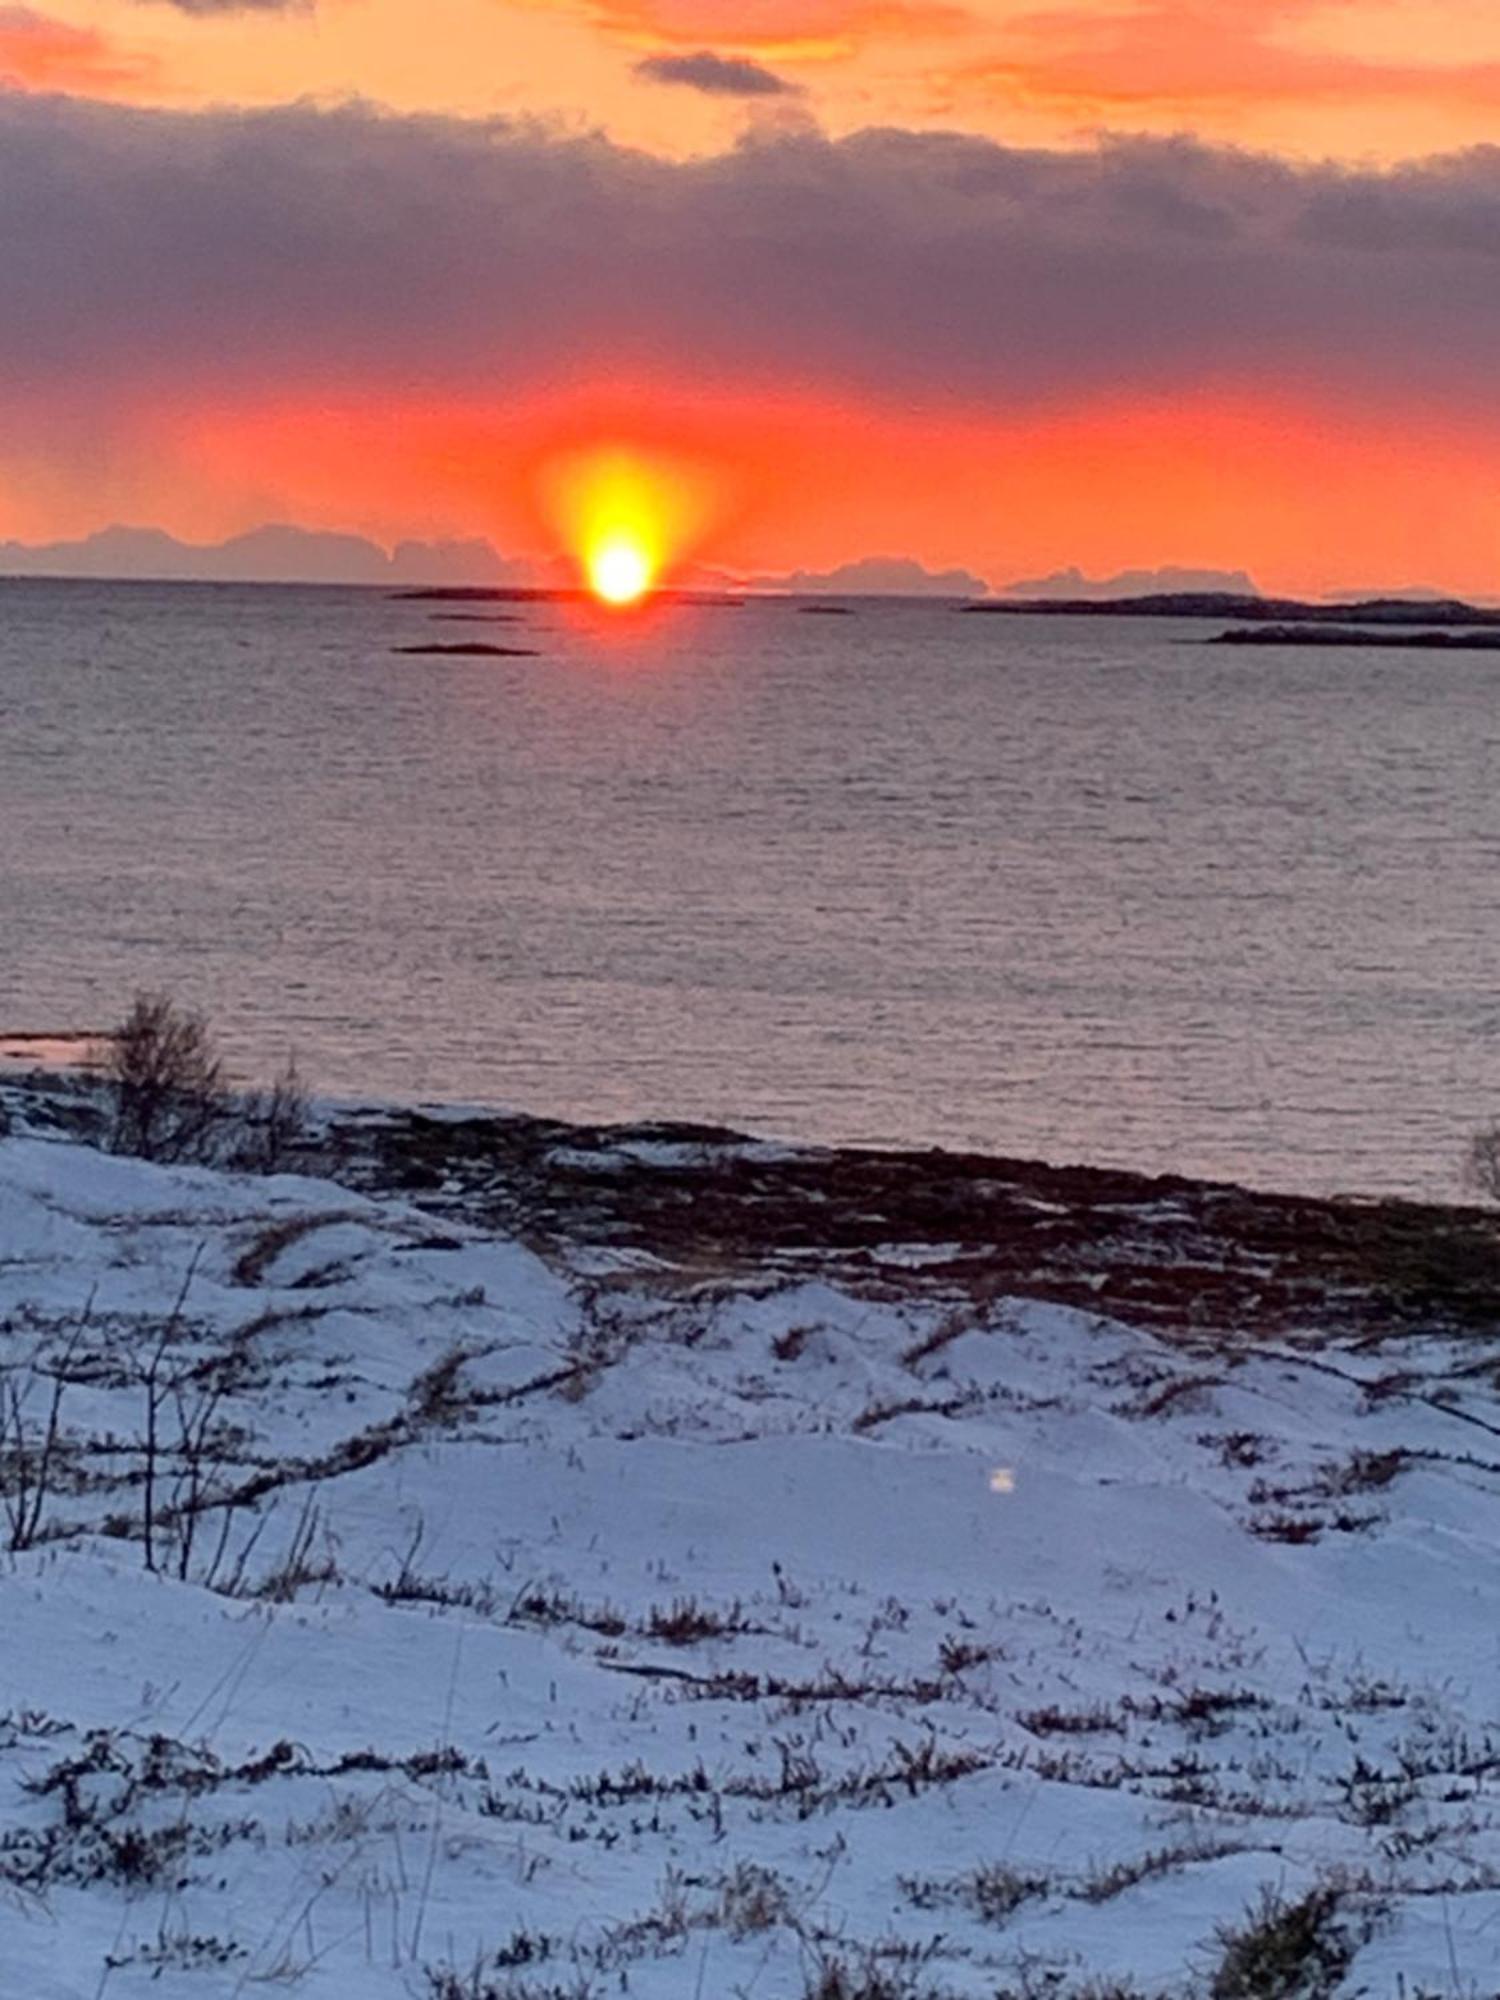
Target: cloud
[[1195, 57], [147, 251], [789, 29], [38, 53], [716, 76], [208, 8]]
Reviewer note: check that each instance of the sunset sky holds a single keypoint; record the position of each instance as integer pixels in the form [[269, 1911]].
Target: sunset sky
[[998, 285]]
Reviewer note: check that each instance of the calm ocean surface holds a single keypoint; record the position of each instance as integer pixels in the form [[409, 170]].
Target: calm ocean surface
[[1078, 888]]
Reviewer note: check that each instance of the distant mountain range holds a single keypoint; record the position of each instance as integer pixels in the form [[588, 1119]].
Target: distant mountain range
[[1074, 586], [283, 553], [273, 554], [875, 576]]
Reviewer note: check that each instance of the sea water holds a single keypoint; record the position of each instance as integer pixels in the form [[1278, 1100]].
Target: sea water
[[1089, 889]]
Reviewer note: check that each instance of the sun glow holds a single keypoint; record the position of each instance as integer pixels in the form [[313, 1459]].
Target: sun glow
[[630, 518], [619, 570]]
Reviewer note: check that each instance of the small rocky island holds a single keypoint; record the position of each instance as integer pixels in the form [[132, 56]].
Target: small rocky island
[[1404, 612], [1484, 640], [469, 649]]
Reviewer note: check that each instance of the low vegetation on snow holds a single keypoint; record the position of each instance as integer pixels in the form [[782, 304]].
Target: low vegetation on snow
[[405, 1596]]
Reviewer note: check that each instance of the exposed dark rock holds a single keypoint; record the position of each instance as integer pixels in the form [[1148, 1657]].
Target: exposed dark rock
[[471, 649], [1257, 610], [1184, 1257], [1357, 635]]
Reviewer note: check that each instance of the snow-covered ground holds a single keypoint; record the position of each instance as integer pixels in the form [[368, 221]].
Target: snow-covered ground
[[547, 1630]]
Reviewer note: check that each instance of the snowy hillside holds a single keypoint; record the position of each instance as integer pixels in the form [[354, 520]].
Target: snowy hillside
[[398, 1610]]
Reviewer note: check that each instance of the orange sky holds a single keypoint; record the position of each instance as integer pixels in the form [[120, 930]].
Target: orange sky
[[1360, 78], [1217, 481], [1313, 476]]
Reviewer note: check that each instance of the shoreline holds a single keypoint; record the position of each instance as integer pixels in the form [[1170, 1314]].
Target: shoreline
[[1161, 1250], [1427, 1181]]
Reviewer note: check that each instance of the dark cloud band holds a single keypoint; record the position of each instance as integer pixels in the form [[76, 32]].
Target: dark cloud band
[[298, 245]]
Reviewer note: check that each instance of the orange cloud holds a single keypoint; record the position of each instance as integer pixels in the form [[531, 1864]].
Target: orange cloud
[[1192, 58], [1349, 78], [780, 30], [40, 54]]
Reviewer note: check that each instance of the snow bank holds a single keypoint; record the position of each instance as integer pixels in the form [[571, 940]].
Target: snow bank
[[537, 1627]]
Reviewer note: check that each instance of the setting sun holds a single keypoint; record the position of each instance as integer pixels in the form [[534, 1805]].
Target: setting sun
[[630, 517], [619, 570]]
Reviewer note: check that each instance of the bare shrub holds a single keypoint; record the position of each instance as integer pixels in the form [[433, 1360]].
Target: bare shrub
[[994, 1891], [443, 1983], [273, 1122], [1285, 1950], [956, 1655], [169, 1097], [752, 1899], [166, 1083], [159, 1383], [199, 1483], [29, 1450], [864, 1979], [300, 1566], [686, 1622]]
